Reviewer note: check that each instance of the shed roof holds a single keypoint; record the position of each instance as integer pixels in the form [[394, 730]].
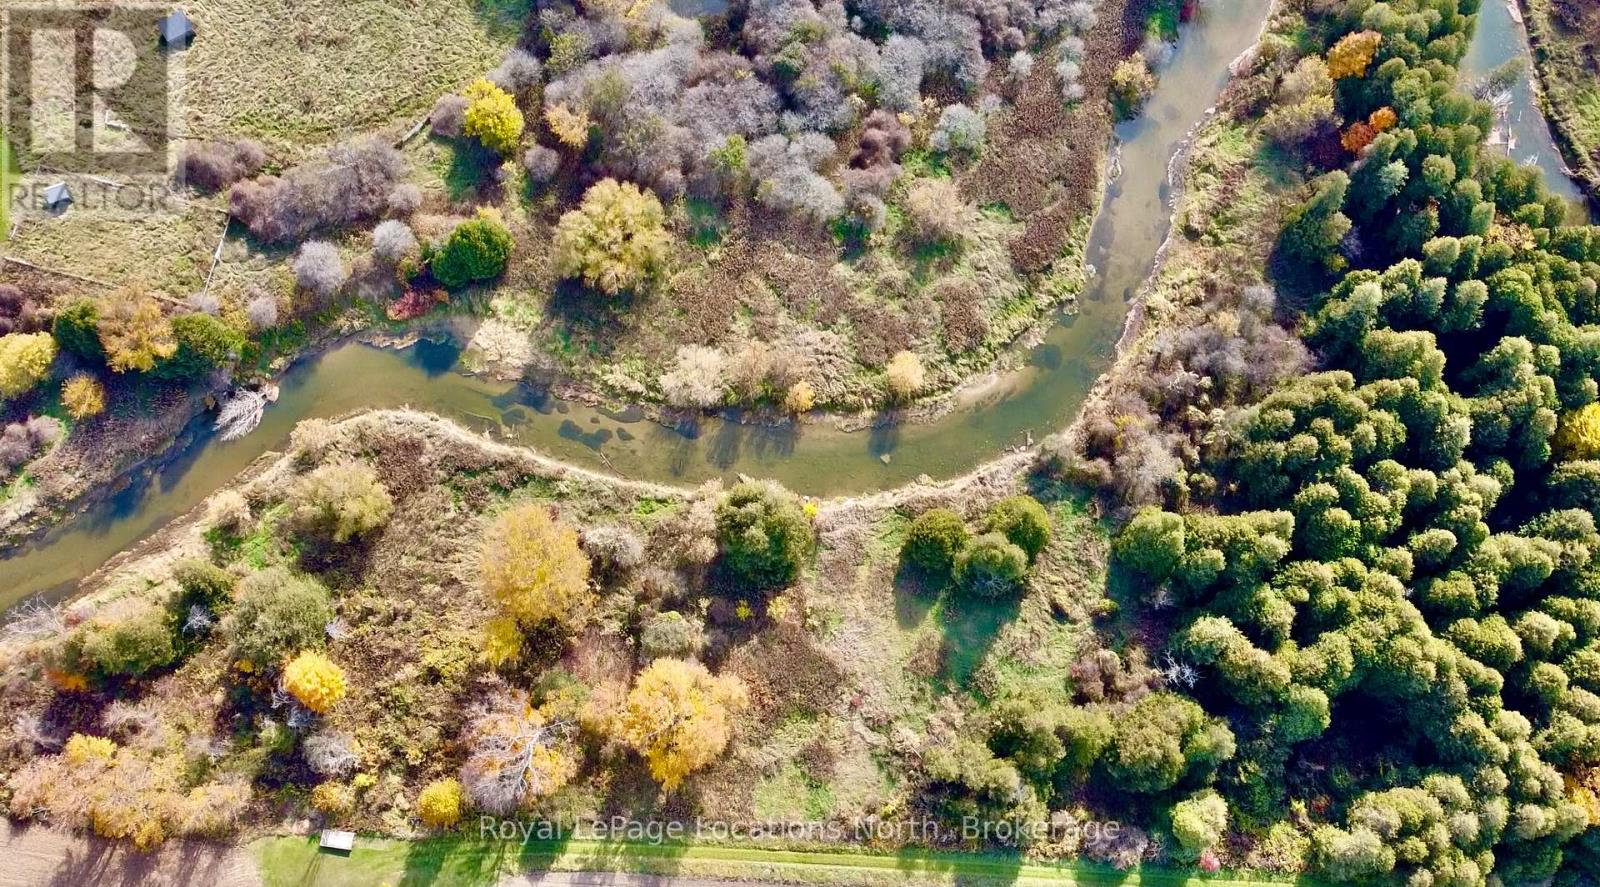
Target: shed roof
[[57, 194], [176, 28]]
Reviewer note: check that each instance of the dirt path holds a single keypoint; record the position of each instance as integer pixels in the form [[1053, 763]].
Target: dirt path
[[36, 857]]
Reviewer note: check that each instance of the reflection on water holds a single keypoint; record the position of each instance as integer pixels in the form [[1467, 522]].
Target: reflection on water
[[1026, 404]]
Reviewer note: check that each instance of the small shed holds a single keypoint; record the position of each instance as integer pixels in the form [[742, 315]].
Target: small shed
[[57, 198], [337, 841], [177, 30]]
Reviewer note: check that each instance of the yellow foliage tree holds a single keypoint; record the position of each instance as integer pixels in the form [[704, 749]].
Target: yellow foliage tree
[[134, 331], [315, 680], [502, 641], [1579, 435], [533, 567], [571, 128], [83, 396], [905, 375], [517, 755], [334, 799], [679, 717], [83, 749], [614, 240], [492, 117], [800, 397], [439, 804], [1383, 119], [24, 361], [1351, 56]]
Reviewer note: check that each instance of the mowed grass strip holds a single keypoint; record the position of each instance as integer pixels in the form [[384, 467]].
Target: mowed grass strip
[[469, 862], [298, 73]]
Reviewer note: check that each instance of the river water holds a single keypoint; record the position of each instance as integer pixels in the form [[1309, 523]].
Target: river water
[[1026, 403]]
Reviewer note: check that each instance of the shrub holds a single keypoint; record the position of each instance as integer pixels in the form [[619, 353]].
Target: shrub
[[330, 753], [1131, 84], [1022, 520], [21, 313], [77, 330], [534, 569], [134, 331], [518, 72], [936, 212], [392, 241], [212, 166], [476, 250], [615, 551], [83, 396], [934, 540], [404, 199], [764, 534], [21, 440], [340, 501], [319, 269], [276, 615], [262, 312], [315, 680], [696, 379], [905, 375], [1160, 739], [492, 117], [1199, 822], [129, 638], [679, 717], [615, 240], [541, 164], [334, 800], [448, 114], [204, 344], [960, 131], [991, 565], [351, 185], [1152, 543], [25, 360], [671, 634], [439, 804], [203, 584], [1352, 54]]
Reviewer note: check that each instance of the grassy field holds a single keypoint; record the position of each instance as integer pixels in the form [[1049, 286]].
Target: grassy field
[[467, 862], [296, 73]]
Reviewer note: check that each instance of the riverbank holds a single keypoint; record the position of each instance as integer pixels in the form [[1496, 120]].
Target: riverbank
[[1567, 66]]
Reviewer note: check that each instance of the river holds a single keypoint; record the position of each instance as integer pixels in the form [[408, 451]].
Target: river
[[1029, 402]]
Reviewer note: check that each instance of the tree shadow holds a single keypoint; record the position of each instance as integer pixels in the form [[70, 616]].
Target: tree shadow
[[915, 594], [971, 623]]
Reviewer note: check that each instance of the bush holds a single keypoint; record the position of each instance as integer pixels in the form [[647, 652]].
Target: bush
[[204, 584], [135, 332], [615, 551], [1022, 520], [905, 375], [541, 164], [615, 240], [448, 115], [332, 754], [404, 199], [392, 241], [21, 440], [671, 634], [319, 269], [991, 565], [334, 800], [129, 638], [696, 379], [571, 128], [534, 569], [679, 717], [492, 117], [83, 396], [262, 312], [960, 131], [315, 680], [25, 360], [351, 185], [212, 166], [764, 534], [204, 344], [936, 211], [77, 330], [21, 313], [337, 502], [1131, 85], [476, 250], [1160, 739], [439, 804], [934, 540], [1152, 543], [276, 615], [1199, 822], [800, 398]]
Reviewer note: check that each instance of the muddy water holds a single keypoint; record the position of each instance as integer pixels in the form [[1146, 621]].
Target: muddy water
[[1019, 406]]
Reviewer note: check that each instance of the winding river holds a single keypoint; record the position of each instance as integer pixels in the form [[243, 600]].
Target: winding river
[[1017, 406]]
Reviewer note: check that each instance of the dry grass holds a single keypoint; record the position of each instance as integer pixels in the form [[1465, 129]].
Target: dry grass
[[296, 73], [170, 251]]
